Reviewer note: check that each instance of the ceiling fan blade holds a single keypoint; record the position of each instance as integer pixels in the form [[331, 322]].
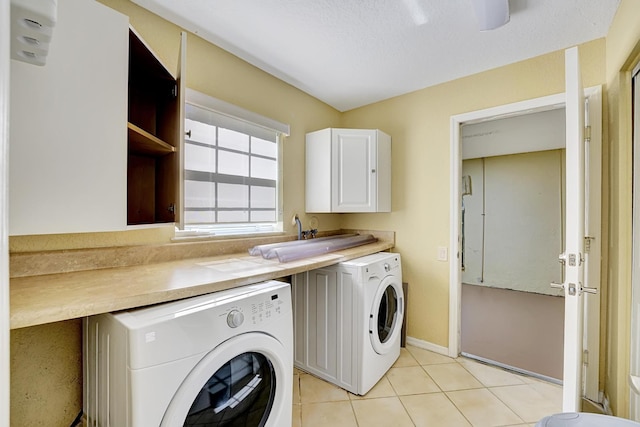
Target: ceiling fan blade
[[491, 14]]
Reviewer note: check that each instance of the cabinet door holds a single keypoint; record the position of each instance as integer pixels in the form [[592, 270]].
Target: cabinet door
[[182, 90], [318, 171], [323, 322], [68, 150], [354, 163], [326, 313], [351, 329]]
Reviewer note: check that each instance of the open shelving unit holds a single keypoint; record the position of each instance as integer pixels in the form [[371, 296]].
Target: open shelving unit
[[153, 131]]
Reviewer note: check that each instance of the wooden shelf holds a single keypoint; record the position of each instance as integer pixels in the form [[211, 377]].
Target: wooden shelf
[[142, 142]]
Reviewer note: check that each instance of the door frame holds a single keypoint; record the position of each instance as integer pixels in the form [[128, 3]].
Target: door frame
[[634, 363], [455, 276]]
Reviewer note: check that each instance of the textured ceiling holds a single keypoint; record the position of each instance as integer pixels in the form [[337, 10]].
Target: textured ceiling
[[349, 53]]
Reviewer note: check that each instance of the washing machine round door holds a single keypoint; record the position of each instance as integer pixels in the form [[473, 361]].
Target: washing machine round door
[[387, 311], [242, 382]]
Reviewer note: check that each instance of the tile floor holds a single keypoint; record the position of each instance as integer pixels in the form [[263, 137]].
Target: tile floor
[[427, 389]]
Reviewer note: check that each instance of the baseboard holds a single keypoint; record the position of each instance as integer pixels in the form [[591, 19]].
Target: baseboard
[[428, 346]]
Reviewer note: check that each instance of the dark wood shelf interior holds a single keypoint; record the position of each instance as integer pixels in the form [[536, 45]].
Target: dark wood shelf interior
[[153, 138]]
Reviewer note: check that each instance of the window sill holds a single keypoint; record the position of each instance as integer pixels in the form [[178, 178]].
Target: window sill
[[198, 236]]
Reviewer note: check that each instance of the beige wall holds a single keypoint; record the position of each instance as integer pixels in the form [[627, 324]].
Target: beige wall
[[622, 53], [419, 123], [46, 374]]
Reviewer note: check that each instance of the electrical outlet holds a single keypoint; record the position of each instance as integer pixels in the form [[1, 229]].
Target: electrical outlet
[[443, 253]]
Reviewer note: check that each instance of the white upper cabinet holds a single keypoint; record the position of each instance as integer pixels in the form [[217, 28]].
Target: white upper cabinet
[[68, 151], [348, 170]]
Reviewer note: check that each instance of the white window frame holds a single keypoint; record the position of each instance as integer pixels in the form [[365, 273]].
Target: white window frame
[[282, 130]]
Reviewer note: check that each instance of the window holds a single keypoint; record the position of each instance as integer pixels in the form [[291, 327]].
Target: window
[[232, 169]]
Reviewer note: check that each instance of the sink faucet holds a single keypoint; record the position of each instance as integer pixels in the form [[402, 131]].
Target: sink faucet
[[299, 224]]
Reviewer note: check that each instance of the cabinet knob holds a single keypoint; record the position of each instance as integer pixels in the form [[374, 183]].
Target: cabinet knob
[[373, 171]]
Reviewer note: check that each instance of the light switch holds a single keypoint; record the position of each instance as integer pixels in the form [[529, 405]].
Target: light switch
[[443, 253]]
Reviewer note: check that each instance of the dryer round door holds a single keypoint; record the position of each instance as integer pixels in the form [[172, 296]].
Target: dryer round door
[[385, 318], [245, 381]]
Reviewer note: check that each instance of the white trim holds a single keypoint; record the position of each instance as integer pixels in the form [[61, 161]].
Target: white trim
[[455, 279], [636, 70], [4, 212], [634, 339], [426, 345]]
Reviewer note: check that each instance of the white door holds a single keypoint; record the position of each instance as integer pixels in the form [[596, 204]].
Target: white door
[[4, 226], [574, 255], [589, 269]]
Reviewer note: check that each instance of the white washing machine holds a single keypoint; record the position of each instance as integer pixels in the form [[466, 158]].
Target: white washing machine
[[348, 320], [222, 359]]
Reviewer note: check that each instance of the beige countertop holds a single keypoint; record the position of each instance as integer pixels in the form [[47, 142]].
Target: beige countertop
[[46, 298]]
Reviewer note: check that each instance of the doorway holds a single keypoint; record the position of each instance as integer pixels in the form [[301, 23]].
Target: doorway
[[592, 200], [512, 232]]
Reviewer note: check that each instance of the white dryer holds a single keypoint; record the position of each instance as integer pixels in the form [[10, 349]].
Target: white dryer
[[222, 359], [348, 320]]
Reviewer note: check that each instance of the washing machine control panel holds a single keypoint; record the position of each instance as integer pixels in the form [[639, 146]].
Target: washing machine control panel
[[377, 270], [256, 311], [265, 310]]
